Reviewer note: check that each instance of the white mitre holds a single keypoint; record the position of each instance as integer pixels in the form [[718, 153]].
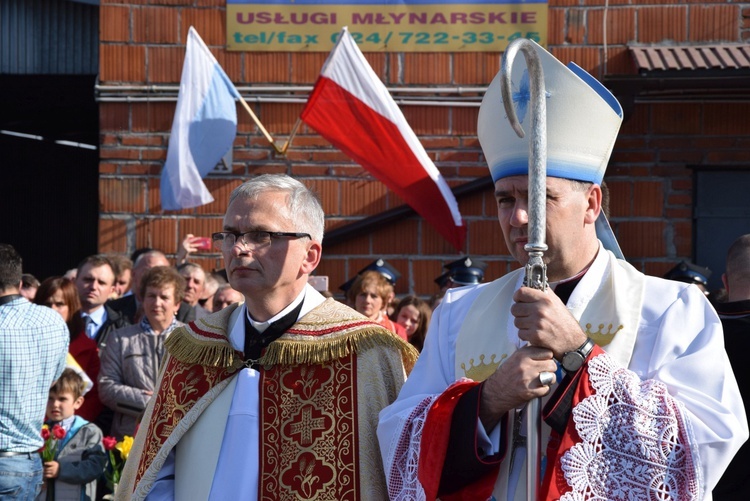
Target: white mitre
[[583, 119]]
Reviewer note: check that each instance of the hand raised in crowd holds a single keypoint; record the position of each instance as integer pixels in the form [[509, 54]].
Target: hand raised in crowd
[[189, 245]]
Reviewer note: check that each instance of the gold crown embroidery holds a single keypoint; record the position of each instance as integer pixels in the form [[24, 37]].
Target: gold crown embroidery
[[602, 337], [483, 370]]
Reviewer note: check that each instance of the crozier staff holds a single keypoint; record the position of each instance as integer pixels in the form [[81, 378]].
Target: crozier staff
[[639, 410], [536, 270]]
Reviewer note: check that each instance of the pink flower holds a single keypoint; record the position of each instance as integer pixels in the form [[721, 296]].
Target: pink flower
[[109, 443], [45, 433], [58, 431]]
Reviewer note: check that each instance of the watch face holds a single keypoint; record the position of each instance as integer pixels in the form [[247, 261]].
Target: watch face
[[572, 361]]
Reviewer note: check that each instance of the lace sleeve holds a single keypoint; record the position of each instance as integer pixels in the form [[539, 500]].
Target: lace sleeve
[[635, 440], [403, 483]]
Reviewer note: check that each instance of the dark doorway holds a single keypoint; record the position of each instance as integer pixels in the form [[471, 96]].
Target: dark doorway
[[722, 214], [49, 190]]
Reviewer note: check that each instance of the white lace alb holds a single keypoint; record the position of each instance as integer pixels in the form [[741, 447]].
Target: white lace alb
[[634, 441]]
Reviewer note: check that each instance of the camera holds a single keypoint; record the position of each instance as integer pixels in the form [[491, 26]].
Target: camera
[[202, 243]]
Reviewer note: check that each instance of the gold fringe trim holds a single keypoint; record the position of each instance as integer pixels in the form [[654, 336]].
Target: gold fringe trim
[[211, 353], [290, 351]]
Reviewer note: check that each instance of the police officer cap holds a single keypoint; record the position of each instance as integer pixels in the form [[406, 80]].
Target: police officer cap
[[443, 279], [380, 265], [464, 271], [690, 273]]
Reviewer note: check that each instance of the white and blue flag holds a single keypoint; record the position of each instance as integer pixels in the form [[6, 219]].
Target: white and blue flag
[[203, 130]]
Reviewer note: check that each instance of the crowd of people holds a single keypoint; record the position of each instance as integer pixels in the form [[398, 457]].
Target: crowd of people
[[251, 384], [117, 312]]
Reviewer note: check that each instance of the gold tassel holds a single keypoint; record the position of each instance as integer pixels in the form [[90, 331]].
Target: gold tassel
[[286, 351], [289, 349], [187, 349]]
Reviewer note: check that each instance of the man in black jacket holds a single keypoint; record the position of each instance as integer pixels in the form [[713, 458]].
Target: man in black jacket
[[95, 282], [129, 306], [735, 318]]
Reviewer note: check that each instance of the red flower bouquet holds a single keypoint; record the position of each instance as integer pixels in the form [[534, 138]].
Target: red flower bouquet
[[51, 441], [118, 454]]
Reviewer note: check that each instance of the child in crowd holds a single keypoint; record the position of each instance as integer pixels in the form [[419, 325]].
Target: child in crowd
[[370, 294], [61, 295], [414, 315], [80, 457]]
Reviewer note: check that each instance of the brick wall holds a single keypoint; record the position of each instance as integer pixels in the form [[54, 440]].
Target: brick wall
[[651, 184]]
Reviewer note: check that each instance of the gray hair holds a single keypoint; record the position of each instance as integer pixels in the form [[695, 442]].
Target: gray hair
[[190, 266], [304, 207], [145, 255]]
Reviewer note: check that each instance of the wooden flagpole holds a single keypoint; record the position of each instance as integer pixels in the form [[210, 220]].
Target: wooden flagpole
[[265, 132], [291, 136], [259, 124]]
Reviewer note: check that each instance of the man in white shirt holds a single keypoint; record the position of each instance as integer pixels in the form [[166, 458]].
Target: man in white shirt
[[276, 397], [95, 282]]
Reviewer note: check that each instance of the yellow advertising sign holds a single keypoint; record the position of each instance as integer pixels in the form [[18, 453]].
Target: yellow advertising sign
[[403, 26]]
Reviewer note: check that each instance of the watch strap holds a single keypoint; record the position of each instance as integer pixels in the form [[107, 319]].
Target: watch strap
[[586, 347], [578, 356]]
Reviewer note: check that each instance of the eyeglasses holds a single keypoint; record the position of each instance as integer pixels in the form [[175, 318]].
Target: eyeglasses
[[252, 239]]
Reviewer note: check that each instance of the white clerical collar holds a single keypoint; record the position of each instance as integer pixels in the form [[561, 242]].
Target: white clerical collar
[[261, 326]]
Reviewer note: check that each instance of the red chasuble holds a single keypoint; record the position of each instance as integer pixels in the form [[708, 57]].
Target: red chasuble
[[309, 400]]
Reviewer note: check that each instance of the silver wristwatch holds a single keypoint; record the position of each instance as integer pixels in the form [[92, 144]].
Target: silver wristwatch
[[573, 360]]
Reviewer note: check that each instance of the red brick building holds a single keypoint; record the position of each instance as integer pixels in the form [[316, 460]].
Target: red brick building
[[686, 123]]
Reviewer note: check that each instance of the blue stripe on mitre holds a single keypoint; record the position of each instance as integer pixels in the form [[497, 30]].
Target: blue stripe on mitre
[[597, 86], [555, 168]]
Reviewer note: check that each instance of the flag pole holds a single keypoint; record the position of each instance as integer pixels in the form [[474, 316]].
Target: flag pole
[[288, 142], [260, 126]]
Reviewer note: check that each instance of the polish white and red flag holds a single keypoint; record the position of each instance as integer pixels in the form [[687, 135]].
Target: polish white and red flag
[[352, 109]]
